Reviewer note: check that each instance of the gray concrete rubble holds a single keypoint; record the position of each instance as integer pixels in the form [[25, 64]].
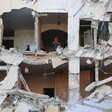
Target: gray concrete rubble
[[99, 101], [13, 99]]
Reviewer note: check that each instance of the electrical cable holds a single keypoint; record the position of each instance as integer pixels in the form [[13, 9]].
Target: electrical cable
[[80, 8], [104, 71]]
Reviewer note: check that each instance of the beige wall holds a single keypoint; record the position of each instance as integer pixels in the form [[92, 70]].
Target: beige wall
[[45, 27], [23, 38], [38, 82]]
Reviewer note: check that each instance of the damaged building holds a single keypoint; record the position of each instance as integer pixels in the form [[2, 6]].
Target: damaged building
[[74, 78]]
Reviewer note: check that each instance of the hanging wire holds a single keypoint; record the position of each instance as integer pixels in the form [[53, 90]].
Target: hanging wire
[[104, 71], [80, 8]]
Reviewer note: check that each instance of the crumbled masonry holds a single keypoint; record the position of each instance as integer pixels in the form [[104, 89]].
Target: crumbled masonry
[[88, 28], [12, 99]]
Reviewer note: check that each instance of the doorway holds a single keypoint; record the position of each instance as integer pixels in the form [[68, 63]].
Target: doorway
[[8, 43], [53, 25], [49, 92], [48, 38]]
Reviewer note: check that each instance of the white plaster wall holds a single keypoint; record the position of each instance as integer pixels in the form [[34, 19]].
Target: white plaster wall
[[23, 38], [91, 9]]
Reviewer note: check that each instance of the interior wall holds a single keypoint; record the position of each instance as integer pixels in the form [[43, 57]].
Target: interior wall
[[23, 38], [86, 78], [61, 86], [55, 21], [37, 82], [2, 75], [45, 27], [103, 76]]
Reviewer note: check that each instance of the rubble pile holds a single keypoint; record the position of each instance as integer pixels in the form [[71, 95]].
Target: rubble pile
[[99, 101], [102, 51], [17, 100], [13, 99]]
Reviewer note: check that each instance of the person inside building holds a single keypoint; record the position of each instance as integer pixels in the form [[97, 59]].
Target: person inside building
[[28, 48], [55, 43]]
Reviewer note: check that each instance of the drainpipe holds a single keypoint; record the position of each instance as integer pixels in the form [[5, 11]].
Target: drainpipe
[[95, 26], [36, 37]]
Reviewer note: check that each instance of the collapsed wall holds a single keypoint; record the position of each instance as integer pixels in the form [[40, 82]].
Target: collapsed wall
[[14, 99]]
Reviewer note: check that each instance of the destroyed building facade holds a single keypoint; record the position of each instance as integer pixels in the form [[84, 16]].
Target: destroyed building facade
[[36, 23]]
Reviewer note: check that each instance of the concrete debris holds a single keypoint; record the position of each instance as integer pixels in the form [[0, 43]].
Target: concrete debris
[[11, 79], [41, 52], [48, 58], [59, 50], [101, 92], [17, 100], [99, 101], [96, 84], [12, 99], [110, 41], [107, 62], [91, 86], [11, 57], [56, 62], [103, 50], [41, 57], [52, 108], [89, 61], [82, 108]]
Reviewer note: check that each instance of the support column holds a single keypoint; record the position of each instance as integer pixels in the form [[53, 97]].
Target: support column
[[36, 33], [74, 63], [96, 71], [95, 27], [1, 31]]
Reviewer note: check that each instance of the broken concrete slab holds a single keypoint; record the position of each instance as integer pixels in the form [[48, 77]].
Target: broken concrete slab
[[96, 84], [56, 62], [11, 79], [52, 108], [82, 108], [101, 92]]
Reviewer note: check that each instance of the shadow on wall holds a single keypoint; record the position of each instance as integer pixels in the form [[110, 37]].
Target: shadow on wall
[[48, 38]]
